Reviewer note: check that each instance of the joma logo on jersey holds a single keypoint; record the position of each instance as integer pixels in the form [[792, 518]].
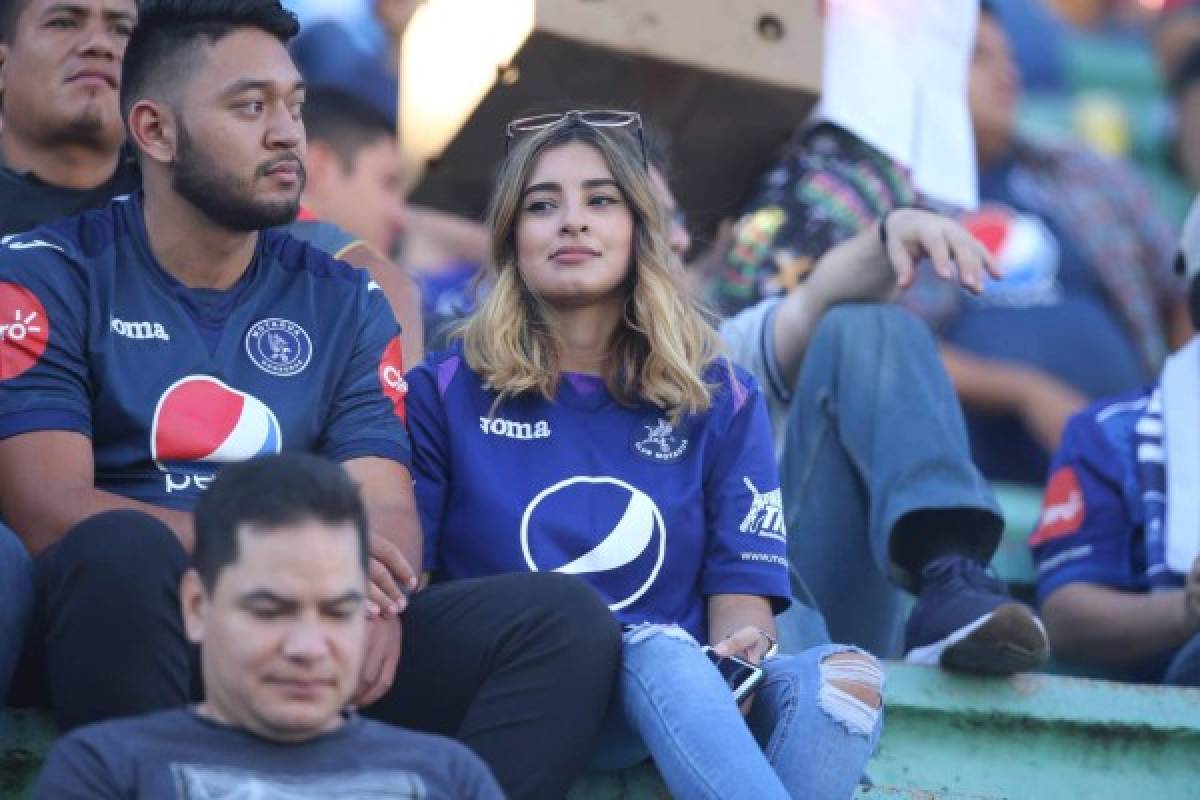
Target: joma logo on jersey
[[496, 426], [139, 330]]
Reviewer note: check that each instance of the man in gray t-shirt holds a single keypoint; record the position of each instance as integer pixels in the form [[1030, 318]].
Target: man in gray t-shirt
[[276, 600]]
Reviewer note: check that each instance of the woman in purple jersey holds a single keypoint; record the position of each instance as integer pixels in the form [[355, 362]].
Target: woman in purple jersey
[[583, 288]]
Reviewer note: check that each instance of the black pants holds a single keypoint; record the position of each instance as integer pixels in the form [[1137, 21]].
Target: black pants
[[518, 667]]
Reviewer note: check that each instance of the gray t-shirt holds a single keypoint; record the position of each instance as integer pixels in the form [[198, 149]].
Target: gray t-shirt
[[179, 755], [749, 338]]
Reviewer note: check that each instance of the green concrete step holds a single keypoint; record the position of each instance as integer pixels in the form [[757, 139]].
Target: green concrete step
[[1037, 736]]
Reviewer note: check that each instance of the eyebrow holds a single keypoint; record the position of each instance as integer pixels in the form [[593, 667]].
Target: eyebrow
[[267, 596], [83, 11], [252, 84], [551, 186]]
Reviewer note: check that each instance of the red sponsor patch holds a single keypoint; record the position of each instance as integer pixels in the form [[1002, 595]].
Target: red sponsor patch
[[1062, 508], [990, 226], [24, 330], [391, 376]]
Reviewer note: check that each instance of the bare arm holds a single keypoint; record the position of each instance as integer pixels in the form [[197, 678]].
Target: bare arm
[[734, 622], [858, 269], [395, 528], [47, 486], [402, 292], [1096, 624], [435, 237], [1042, 402]]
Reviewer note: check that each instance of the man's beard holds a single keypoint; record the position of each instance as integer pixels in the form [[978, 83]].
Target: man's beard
[[227, 200]]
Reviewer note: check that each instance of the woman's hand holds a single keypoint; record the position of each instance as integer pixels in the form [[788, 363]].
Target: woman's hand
[[956, 255], [749, 642]]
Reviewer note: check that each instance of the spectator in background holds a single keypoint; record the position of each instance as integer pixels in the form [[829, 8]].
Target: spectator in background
[[60, 152], [181, 332], [1117, 544], [360, 55], [879, 491], [353, 202], [60, 145], [275, 601], [1088, 305]]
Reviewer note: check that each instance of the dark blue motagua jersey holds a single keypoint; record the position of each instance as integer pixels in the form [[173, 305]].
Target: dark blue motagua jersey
[[655, 516], [302, 353]]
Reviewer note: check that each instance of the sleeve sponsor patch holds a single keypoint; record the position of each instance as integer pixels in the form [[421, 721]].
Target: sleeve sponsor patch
[[24, 330], [1063, 509], [391, 376]]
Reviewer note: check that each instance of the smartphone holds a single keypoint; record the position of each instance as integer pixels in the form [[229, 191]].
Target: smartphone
[[742, 676]]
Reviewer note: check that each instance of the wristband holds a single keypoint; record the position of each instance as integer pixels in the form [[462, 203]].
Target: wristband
[[883, 238]]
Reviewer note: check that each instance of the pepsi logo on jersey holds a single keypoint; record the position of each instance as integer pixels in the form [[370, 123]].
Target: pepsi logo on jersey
[[200, 419], [598, 527]]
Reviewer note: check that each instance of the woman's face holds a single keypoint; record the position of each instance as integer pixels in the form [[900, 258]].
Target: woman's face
[[574, 233]]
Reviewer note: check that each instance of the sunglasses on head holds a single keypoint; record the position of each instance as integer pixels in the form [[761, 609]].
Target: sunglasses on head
[[594, 119]]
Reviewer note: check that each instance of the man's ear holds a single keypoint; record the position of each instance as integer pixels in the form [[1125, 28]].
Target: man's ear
[[194, 603], [154, 129]]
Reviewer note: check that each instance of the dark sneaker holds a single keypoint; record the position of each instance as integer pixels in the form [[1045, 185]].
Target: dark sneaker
[[965, 619]]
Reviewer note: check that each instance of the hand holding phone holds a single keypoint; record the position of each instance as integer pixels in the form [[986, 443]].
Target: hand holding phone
[[742, 676]]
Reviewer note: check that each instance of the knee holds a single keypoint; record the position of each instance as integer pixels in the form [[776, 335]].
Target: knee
[[119, 548], [856, 322], [851, 690], [567, 608]]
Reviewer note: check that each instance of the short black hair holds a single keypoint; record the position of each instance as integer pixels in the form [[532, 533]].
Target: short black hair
[[168, 31], [987, 8], [271, 492], [344, 122], [10, 11]]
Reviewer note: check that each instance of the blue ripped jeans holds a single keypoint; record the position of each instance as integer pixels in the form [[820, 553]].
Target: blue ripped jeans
[[803, 737]]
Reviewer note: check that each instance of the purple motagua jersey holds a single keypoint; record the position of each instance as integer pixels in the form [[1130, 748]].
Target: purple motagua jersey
[[170, 382], [655, 516]]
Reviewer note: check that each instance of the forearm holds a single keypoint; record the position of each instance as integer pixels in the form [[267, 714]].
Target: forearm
[[387, 492], [1096, 624], [984, 384], [42, 524], [730, 612], [855, 270]]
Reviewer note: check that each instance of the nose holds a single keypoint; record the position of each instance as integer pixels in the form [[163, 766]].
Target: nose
[[574, 219], [285, 131], [99, 42], [305, 641]]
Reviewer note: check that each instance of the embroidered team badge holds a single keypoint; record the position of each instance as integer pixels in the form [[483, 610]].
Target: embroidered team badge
[[765, 517], [659, 441], [391, 376], [24, 330], [279, 347]]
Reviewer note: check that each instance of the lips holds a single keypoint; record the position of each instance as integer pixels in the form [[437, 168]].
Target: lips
[[573, 255], [94, 76]]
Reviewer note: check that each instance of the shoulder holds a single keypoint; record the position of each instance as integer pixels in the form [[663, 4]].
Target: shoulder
[[323, 235], [125, 737], [443, 371], [304, 258], [733, 390]]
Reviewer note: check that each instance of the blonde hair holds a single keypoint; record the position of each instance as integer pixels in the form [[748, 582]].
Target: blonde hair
[[662, 346]]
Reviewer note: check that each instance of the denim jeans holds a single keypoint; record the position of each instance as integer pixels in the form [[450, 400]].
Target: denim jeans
[[16, 603], [875, 445], [801, 739]]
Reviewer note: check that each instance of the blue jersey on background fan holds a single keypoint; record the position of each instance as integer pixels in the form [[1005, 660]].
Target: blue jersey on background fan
[[654, 516], [169, 382]]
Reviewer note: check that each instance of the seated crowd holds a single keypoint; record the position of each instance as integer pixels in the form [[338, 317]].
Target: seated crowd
[[594, 527]]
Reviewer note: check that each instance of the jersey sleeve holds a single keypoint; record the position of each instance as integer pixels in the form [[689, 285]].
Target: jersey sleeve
[[367, 414], [431, 461], [44, 376], [76, 770], [746, 538], [1085, 533]]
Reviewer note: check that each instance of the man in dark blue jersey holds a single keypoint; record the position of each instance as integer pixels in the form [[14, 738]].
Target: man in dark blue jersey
[[145, 344]]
